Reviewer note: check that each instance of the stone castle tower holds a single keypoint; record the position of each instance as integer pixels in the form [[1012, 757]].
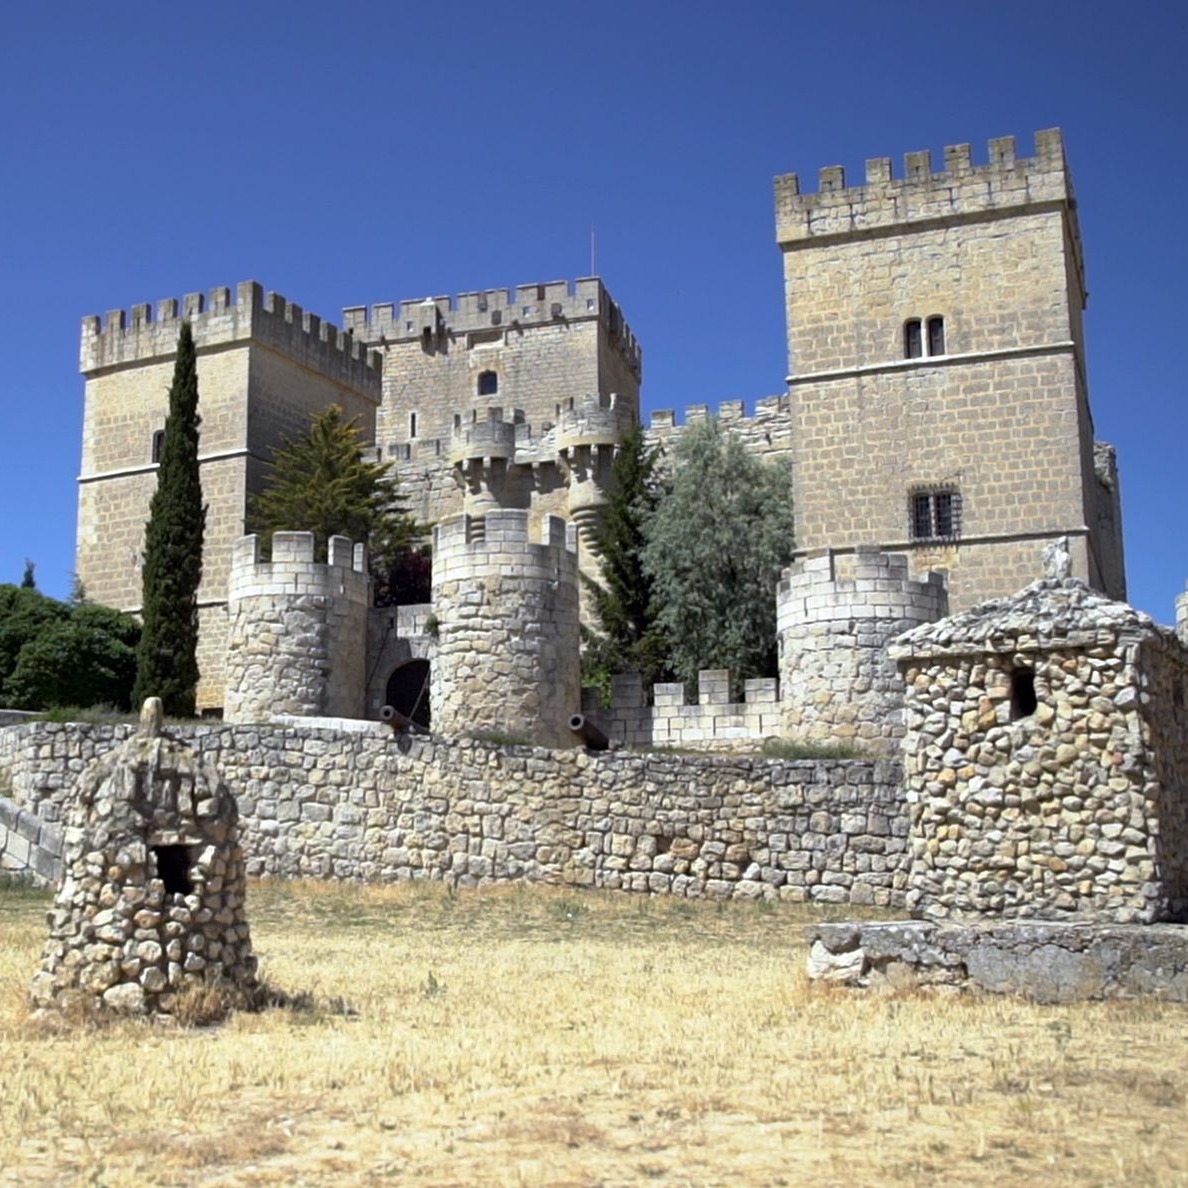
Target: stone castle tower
[[264, 369], [937, 391]]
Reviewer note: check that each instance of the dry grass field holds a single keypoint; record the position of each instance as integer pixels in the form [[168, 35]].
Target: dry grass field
[[537, 1036]]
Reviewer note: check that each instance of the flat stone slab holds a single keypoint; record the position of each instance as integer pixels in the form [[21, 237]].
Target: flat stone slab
[[1045, 961]]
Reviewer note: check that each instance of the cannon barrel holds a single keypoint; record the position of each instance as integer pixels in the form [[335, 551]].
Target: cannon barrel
[[397, 720], [591, 736]]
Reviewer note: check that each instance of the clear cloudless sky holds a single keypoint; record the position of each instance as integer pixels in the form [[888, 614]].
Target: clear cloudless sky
[[367, 152]]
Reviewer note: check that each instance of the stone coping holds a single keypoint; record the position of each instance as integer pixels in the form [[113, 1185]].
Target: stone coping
[[1047, 961]]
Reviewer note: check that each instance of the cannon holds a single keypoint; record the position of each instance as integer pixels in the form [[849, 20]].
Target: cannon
[[399, 722], [592, 738]]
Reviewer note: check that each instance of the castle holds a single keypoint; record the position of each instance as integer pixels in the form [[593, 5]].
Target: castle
[[936, 408]]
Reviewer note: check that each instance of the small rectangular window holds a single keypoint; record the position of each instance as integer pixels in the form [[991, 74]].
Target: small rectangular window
[[936, 336], [913, 343], [412, 424], [935, 514]]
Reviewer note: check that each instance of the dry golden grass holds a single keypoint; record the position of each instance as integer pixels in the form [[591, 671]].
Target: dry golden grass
[[536, 1036]]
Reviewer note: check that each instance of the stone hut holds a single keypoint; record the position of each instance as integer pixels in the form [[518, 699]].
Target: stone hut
[[1046, 760], [152, 899]]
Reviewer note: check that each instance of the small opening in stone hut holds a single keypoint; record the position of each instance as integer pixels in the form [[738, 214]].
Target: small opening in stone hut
[[173, 869], [663, 843], [1023, 699]]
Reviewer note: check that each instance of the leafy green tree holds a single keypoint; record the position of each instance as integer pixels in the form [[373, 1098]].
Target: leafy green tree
[[61, 654], [28, 581], [320, 482], [628, 637], [715, 548], [167, 663]]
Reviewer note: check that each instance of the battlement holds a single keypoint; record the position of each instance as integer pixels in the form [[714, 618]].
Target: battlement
[[594, 420], [961, 188], [585, 299], [487, 435], [293, 572], [730, 412], [144, 334], [865, 584], [508, 530]]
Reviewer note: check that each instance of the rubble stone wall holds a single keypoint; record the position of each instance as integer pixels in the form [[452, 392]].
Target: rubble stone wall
[[365, 804]]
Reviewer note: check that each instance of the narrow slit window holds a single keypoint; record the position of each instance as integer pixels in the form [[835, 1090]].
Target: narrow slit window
[[412, 424], [1023, 698], [936, 335], [158, 444], [913, 342]]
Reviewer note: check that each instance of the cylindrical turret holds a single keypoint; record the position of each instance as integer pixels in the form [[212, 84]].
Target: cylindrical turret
[[297, 640], [835, 616], [506, 602]]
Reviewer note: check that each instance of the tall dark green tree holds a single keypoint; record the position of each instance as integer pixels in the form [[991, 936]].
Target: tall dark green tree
[[29, 581], [714, 551], [628, 637], [320, 482], [167, 664]]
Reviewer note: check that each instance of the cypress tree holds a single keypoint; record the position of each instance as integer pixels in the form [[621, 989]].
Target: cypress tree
[[628, 638], [167, 663]]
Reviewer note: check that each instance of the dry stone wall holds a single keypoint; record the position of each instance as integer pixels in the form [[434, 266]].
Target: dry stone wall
[[365, 804], [1046, 760]]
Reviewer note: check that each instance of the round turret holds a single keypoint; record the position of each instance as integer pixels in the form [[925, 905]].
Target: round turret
[[506, 602], [297, 642], [835, 616]]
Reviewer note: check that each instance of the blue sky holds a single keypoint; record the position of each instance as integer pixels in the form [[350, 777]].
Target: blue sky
[[370, 152]]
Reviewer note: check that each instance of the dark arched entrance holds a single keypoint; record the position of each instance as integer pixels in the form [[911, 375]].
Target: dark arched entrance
[[408, 691]]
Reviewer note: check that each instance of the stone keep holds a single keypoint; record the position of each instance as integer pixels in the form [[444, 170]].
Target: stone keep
[[835, 616], [152, 899], [936, 386], [265, 367], [297, 639], [506, 602], [1046, 760]]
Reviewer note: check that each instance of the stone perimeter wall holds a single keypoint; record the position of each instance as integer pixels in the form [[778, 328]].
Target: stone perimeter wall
[[335, 804]]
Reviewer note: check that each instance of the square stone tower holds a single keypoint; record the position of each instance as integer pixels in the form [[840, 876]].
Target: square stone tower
[[937, 383], [264, 368], [531, 353]]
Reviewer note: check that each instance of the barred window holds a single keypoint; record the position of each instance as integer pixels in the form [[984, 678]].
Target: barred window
[[934, 514]]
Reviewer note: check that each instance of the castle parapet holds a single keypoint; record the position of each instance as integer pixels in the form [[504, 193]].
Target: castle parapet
[[126, 338], [297, 640], [505, 593], [836, 616], [486, 437], [960, 188], [528, 305], [594, 421]]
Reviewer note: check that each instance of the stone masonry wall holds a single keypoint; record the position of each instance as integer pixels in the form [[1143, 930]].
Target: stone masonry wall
[[835, 617], [365, 804]]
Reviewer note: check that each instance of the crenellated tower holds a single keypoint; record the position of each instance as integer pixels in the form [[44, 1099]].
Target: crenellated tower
[[505, 594], [937, 389], [265, 366], [297, 629]]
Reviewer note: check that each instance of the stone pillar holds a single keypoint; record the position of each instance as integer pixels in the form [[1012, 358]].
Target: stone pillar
[[835, 617], [507, 623], [297, 637]]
